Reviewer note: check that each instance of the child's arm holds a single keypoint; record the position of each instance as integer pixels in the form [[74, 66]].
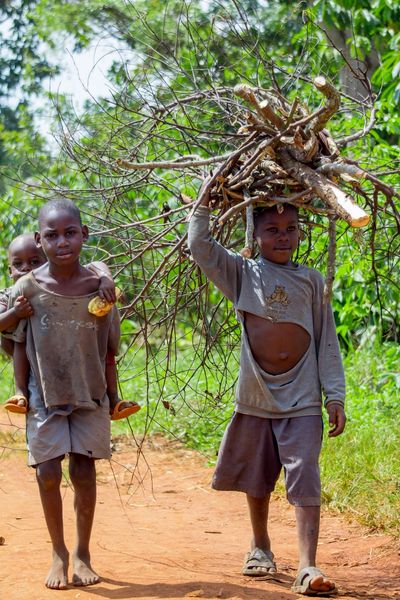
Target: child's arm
[[21, 369], [330, 366], [9, 317], [221, 266], [107, 285]]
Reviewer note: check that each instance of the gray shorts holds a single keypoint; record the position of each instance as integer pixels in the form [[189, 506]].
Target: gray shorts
[[54, 432], [254, 450]]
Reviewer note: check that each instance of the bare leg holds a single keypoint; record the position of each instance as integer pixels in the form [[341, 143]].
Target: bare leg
[[83, 477], [48, 475], [308, 519], [258, 509]]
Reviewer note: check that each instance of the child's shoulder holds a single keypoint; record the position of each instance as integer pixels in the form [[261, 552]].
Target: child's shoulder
[[23, 285]]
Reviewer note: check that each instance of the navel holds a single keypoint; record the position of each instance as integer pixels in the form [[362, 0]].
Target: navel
[[283, 355]]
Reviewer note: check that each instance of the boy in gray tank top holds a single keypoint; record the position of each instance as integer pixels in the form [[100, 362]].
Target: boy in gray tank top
[[289, 357]]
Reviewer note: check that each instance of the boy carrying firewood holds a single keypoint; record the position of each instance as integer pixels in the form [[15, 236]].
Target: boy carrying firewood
[[289, 356]]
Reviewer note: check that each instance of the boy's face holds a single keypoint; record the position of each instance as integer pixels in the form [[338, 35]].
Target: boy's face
[[23, 257], [277, 235], [61, 236]]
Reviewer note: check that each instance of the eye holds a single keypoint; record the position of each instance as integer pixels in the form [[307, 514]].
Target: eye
[[16, 264], [50, 236], [34, 262], [292, 228]]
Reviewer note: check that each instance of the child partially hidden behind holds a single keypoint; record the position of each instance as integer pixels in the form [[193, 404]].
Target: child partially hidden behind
[[289, 355], [23, 257]]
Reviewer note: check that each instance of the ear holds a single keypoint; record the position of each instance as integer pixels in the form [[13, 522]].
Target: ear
[[9, 270], [38, 240], [85, 232]]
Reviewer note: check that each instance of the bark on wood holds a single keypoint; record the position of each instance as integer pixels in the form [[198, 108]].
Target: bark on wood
[[343, 205]]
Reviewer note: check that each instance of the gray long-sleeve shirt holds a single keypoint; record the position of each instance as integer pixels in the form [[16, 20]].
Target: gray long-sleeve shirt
[[281, 293]]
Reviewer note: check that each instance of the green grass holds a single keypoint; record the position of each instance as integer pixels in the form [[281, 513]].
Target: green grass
[[361, 469]]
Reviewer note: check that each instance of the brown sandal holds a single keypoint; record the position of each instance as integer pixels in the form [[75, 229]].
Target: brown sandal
[[17, 404]]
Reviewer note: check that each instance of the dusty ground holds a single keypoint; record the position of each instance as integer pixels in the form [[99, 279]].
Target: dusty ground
[[161, 532]]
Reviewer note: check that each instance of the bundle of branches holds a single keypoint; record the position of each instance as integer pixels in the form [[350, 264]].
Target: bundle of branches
[[287, 156]]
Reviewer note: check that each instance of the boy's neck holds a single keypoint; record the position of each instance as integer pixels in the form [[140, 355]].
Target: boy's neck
[[290, 263], [64, 272], [67, 280]]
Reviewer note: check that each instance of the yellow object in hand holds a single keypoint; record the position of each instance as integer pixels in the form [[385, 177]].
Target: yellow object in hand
[[101, 307]]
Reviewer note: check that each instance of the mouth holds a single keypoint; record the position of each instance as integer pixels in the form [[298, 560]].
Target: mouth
[[63, 254]]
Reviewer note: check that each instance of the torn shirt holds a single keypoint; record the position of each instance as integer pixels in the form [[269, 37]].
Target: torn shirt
[[281, 293]]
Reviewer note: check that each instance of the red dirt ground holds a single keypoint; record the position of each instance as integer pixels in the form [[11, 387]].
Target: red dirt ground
[[161, 532]]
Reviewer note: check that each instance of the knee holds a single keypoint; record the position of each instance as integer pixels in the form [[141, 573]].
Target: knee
[[49, 475], [82, 471]]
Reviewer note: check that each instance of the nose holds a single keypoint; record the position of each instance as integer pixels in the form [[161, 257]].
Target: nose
[[24, 268], [62, 241], [282, 234]]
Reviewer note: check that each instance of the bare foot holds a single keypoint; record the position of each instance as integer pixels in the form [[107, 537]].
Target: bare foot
[[321, 584], [83, 573], [57, 577]]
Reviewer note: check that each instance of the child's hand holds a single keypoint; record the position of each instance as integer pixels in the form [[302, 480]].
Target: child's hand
[[337, 419], [22, 308], [206, 200], [107, 289]]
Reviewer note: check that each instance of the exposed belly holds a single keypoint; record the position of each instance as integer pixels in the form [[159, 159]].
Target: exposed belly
[[277, 347]]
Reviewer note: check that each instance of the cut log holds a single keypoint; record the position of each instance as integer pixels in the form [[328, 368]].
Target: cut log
[[342, 204]]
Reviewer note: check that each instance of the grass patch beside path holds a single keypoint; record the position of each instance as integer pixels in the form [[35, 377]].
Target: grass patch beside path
[[361, 469]]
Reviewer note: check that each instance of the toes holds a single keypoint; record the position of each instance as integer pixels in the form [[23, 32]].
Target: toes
[[56, 584], [85, 581], [321, 584]]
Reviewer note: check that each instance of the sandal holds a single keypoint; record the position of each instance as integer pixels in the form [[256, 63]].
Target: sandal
[[259, 563], [17, 404], [302, 584], [121, 413]]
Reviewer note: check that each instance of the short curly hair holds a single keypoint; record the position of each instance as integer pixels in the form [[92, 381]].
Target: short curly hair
[[60, 204]]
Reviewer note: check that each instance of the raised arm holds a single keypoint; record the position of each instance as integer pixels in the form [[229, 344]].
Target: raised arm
[[221, 266]]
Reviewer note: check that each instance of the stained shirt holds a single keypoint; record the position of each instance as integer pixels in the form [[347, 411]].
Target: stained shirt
[[65, 344]]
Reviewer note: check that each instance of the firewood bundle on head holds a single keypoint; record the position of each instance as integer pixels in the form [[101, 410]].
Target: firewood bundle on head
[[287, 157], [281, 153]]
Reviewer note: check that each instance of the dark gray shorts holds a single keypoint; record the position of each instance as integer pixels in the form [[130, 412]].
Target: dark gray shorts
[[254, 450], [54, 432]]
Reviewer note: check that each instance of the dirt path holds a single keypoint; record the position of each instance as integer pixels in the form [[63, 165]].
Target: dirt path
[[166, 534]]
